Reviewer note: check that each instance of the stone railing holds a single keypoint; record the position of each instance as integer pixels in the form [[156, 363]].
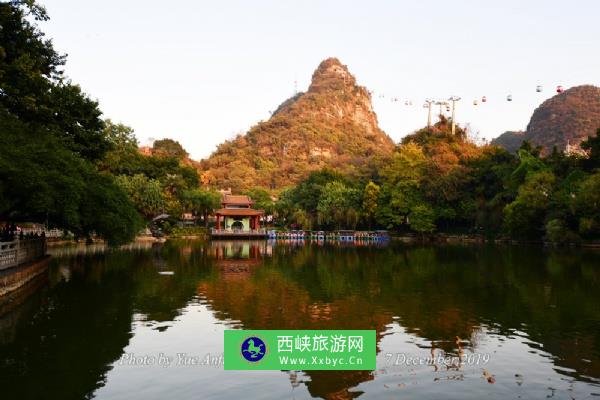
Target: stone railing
[[49, 233], [19, 252]]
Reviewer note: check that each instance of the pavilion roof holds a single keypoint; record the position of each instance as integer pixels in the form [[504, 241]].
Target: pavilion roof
[[237, 200]]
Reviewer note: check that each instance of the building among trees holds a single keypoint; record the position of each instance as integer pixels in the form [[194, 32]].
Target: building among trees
[[236, 217]]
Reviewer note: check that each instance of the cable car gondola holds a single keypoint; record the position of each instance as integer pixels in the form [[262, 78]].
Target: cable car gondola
[[509, 97], [539, 88], [483, 99], [559, 89]]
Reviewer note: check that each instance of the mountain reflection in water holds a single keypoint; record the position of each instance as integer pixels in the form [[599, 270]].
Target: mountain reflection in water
[[533, 312]]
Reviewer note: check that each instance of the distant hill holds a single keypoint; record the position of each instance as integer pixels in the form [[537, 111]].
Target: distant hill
[[510, 140], [331, 125], [570, 117]]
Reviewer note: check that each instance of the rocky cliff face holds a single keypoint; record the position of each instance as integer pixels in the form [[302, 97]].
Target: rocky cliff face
[[570, 117], [510, 140], [331, 125]]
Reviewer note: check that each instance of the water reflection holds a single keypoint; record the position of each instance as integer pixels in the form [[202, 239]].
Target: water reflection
[[236, 260], [533, 311]]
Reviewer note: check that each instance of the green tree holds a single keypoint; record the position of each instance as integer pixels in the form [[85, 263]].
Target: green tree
[[120, 136], [369, 201], [335, 204], [558, 232], [485, 184], [201, 202], [422, 219], [401, 190], [529, 163], [524, 216], [146, 194], [586, 206], [107, 211], [306, 195], [123, 158], [284, 207], [301, 218], [262, 199], [34, 89]]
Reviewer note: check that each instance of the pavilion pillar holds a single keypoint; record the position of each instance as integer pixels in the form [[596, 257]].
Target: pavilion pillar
[[218, 221]]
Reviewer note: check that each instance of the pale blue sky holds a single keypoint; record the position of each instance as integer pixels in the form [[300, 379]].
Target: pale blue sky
[[200, 71]]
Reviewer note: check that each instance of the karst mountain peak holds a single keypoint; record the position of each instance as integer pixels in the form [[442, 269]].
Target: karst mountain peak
[[331, 125]]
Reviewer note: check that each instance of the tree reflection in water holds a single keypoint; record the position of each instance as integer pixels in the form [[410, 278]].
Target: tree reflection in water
[[441, 294]]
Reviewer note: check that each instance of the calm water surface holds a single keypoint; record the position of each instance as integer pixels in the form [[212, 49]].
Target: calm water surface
[[530, 316]]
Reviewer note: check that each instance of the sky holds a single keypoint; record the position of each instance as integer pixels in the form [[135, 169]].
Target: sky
[[201, 72]]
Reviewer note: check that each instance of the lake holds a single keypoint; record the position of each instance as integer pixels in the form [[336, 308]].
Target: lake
[[146, 321]]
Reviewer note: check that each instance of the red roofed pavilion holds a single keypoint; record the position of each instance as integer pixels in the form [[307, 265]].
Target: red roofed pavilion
[[237, 218]]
